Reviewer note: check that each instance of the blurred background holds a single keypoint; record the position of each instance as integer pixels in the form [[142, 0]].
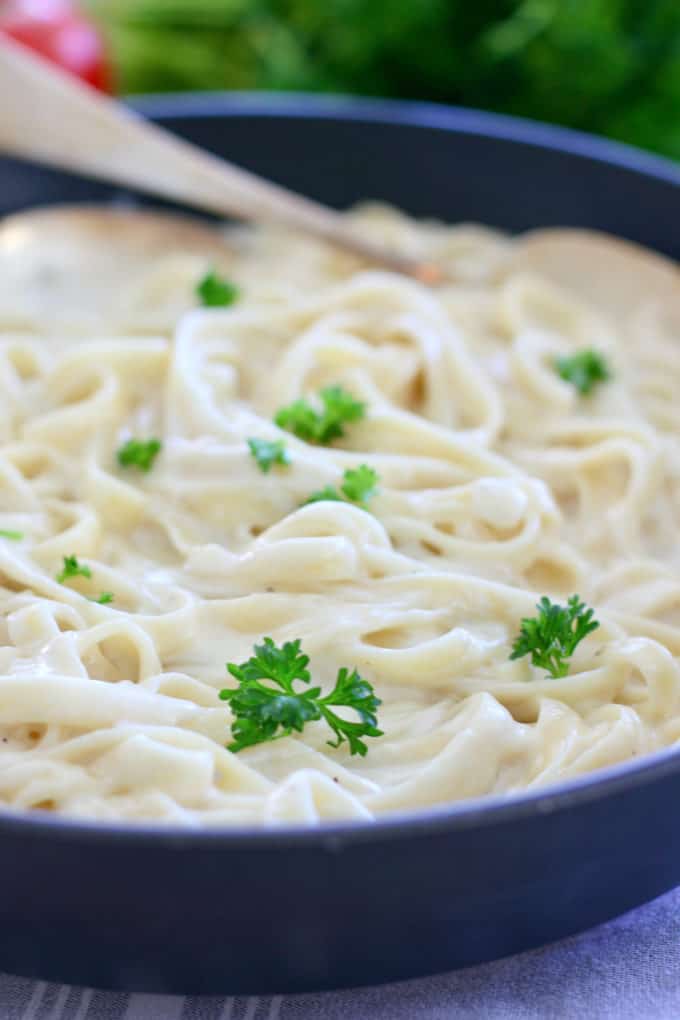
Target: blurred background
[[608, 66]]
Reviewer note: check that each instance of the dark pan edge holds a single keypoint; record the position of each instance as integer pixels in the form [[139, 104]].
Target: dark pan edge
[[408, 112]]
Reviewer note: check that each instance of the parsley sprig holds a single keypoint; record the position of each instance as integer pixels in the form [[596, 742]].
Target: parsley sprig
[[321, 426], [584, 370], [329, 492], [72, 568], [139, 453], [263, 712], [551, 637], [214, 291], [269, 451], [358, 486]]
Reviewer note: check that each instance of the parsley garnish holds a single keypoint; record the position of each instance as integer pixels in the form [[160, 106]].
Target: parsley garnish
[[216, 292], [267, 452], [584, 370], [104, 599], [306, 422], [328, 492], [263, 712], [73, 569], [15, 536], [552, 636], [358, 485], [139, 453]]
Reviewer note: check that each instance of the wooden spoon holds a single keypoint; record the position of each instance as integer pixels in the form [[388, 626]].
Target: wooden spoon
[[50, 117]]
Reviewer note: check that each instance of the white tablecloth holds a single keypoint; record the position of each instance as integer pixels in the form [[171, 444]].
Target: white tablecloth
[[628, 969]]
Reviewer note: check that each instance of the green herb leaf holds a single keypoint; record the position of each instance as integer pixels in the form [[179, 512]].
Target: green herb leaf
[[139, 453], [104, 599], [216, 292], [328, 492], [267, 452], [15, 536], [264, 713], [359, 484], [584, 370], [551, 637], [72, 568], [352, 691], [325, 425]]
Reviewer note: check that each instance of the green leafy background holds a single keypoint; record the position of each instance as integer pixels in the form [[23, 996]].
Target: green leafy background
[[609, 66]]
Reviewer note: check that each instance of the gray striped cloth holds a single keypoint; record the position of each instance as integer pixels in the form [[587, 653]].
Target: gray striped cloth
[[628, 969]]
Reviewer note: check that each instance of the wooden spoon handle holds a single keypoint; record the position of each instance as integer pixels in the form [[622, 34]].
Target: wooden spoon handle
[[50, 117]]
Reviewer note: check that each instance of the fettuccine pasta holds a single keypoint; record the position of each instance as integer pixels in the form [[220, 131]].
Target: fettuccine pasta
[[498, 483]]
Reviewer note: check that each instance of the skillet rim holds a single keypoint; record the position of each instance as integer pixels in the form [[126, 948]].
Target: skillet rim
[[483, 812], [409, 113]]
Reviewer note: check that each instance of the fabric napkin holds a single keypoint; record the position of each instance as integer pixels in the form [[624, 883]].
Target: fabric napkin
[[628, 969]]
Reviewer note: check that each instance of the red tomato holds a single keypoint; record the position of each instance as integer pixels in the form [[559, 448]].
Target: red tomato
[[55, 30]]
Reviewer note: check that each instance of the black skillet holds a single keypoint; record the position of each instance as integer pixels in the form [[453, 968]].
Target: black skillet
[[242, 911]]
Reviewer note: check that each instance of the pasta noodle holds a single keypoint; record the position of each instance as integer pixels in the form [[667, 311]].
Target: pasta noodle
[[498, 483]]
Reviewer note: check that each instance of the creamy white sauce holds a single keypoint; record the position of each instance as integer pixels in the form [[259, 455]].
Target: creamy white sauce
[[498, 484]]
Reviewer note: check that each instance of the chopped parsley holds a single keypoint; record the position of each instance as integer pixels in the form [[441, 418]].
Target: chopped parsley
[[105, 599], [14, 536], [358, 486], [321, 425], [584, 370], [551, 637], [265, 712], [267, 452], [139, 453], [216, 292], [72, 568], [329, 492]]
